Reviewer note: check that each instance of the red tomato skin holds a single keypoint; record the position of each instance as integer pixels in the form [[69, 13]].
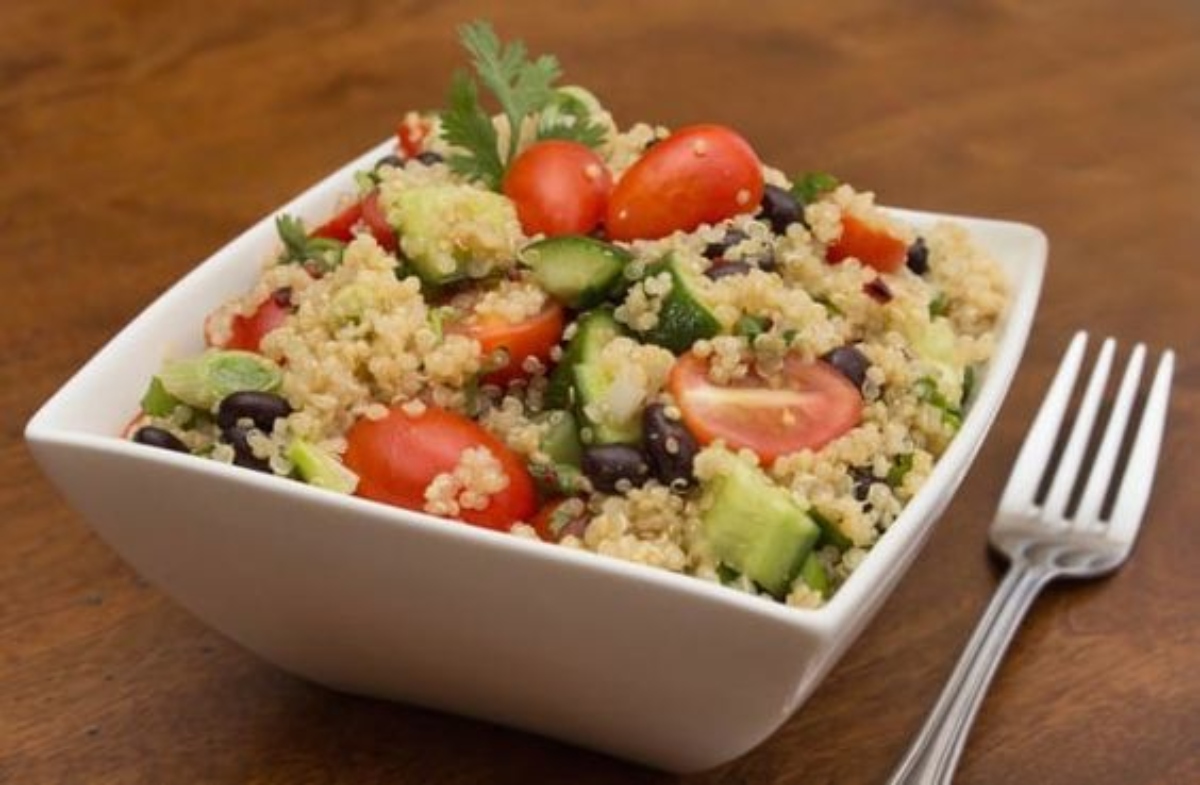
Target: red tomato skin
[[699, 174], [558, 187], [871, 246], [341, 226], [825, 406], [246, 332], [376, 220], [411, 134], [535, 337], [398, 456]]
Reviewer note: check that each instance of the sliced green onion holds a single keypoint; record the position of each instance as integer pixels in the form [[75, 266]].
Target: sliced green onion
[[320, 467]]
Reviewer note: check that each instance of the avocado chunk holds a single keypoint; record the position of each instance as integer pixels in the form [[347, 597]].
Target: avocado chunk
[[755, 527], [683, 317], [579, 272]]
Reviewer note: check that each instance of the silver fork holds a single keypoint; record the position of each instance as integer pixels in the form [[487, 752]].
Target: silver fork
[[1045, 540]]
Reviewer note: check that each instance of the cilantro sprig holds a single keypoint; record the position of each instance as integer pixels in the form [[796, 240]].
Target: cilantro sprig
[[522, 88]]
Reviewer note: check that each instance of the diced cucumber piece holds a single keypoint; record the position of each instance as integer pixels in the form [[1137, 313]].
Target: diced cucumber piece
[[202, 381], [683, 317], [830, 533], [756, 527], [593, 385], [451, 232], [561, 442], [580, 272], [320, 467], [593, 330]]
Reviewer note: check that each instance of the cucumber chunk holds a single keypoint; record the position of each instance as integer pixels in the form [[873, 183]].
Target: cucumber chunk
[[579, 272], [683, 318], [756, 527], [593, 330], [452, 232]]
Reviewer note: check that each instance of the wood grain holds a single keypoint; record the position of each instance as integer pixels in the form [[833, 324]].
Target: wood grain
[[136, 137]]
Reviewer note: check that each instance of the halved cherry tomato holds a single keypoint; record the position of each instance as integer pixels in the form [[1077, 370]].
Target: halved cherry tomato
[[699, 174], [397, 457], [870, 245], [341, 226], [376, 220], [411, 134], [246, 332], [534, 337], [558, 187], [814, 405]]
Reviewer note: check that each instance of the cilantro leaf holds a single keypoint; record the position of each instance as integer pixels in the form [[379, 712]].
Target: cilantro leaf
[[521, 86], [812, 185], [468, 126]]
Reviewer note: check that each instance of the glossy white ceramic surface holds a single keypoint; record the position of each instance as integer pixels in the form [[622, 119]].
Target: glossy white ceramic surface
[[662, 669]]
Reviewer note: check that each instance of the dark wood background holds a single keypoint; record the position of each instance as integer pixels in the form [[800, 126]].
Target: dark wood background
[[138, 136]]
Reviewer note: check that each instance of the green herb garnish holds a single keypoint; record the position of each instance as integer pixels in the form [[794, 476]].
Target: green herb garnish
[[750, 327], [522, 88], [901, 466], [939, 305], [812, 185], [323, 253], [927, 390]]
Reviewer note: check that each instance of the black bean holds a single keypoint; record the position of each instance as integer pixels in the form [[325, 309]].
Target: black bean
[[429, 157], [780, 208], [863, 478], [390, 160], [878, 290], [282, 296], [726, 269], [718, 249], [262, 408], [159, 437], [610, 466], [237, 437], [765, 260], [918, 257], [670, 447], [851, 362]]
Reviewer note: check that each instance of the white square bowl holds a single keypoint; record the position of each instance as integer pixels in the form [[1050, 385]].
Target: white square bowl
[[650, 666]]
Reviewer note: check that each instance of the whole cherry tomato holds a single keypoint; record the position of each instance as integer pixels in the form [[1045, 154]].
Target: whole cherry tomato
[[699, 174], [558, 187]]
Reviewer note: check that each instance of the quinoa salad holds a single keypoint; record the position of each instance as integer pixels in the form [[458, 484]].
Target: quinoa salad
[[634, 341]]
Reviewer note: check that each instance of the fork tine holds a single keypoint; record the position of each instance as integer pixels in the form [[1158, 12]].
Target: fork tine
[[1039, 442], [1139, 473], [1065, 476], [1106, 457]]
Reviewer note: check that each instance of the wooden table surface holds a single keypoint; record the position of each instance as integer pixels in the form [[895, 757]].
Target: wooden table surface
[[138, 137]]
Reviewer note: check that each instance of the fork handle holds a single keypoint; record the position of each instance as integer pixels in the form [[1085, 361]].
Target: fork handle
[[934, 754]]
